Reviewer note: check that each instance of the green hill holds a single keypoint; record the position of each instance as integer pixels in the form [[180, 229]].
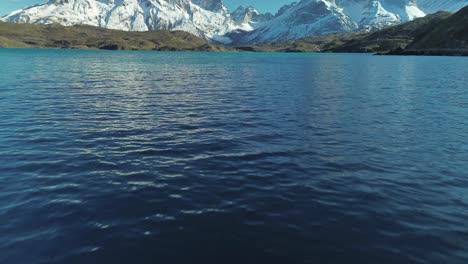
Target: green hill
[[452, 33], [383, 40], [438, 34], [14, 35], [309, 44], [394, 37]]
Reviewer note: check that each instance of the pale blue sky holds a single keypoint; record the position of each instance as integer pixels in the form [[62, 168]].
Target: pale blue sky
[[7, 6], [261, 5]]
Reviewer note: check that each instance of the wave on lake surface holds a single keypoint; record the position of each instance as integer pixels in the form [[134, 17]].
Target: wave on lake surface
[[140, 157]]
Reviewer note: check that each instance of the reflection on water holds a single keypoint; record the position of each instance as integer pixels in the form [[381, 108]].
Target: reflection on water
[[137, 157]]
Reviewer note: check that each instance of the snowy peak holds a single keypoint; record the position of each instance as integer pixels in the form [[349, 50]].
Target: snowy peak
[[244, 14], [305, 18], [407, 10], [205, 18], [375, 16], [248, 18], [318, 17], [210, 19], [285, 8]]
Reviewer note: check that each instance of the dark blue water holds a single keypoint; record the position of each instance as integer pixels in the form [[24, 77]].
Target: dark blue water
[[142, 157]]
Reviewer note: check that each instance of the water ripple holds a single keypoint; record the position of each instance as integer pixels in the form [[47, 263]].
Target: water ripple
[[136, 157]]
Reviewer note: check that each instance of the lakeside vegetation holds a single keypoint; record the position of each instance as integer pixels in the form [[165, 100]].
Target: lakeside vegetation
[[14, 35], [438, 34]]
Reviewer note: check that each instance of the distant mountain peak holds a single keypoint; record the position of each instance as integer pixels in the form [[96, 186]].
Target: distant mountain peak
[[249, 18], [211, 5], [211, 19], [205, 18]]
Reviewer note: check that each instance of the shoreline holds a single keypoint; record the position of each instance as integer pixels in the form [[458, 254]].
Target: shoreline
[[387, 41], [413, 52], [427, 52]]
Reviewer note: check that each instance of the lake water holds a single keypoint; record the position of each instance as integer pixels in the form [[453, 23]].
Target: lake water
[[151, 157]]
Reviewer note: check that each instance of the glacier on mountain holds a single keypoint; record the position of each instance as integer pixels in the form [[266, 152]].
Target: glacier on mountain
[[211, 19], [249, 18], [205, 18], [301, 19], [317, 17]]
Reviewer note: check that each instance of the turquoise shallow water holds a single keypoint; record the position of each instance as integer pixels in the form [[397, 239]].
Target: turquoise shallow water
[[150, 157]]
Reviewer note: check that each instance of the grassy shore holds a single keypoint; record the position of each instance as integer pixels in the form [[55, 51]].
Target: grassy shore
[[438, 34], [88, 37]]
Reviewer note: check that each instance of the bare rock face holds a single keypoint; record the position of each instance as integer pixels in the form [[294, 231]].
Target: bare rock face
[[249, 18]]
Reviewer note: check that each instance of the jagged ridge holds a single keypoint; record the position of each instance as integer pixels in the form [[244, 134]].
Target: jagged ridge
[[205, 18], [211, 20]]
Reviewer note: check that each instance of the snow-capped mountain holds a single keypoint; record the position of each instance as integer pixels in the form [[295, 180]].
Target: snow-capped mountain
[[249, 18], [305, 18], [211, 19], [403, 10], [318, 17], [204, 18], [374, 14]]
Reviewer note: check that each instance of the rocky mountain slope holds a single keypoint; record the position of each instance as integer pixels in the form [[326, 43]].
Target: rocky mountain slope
[[437, 34], [205, 18], [305, 18], [452, 33], [319, 17], [395, 37], [211, 20], [249, 18], [384, 40], [442, 33]]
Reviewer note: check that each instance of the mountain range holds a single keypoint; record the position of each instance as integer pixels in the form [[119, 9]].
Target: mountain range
[[441, 33], [211, 20]]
